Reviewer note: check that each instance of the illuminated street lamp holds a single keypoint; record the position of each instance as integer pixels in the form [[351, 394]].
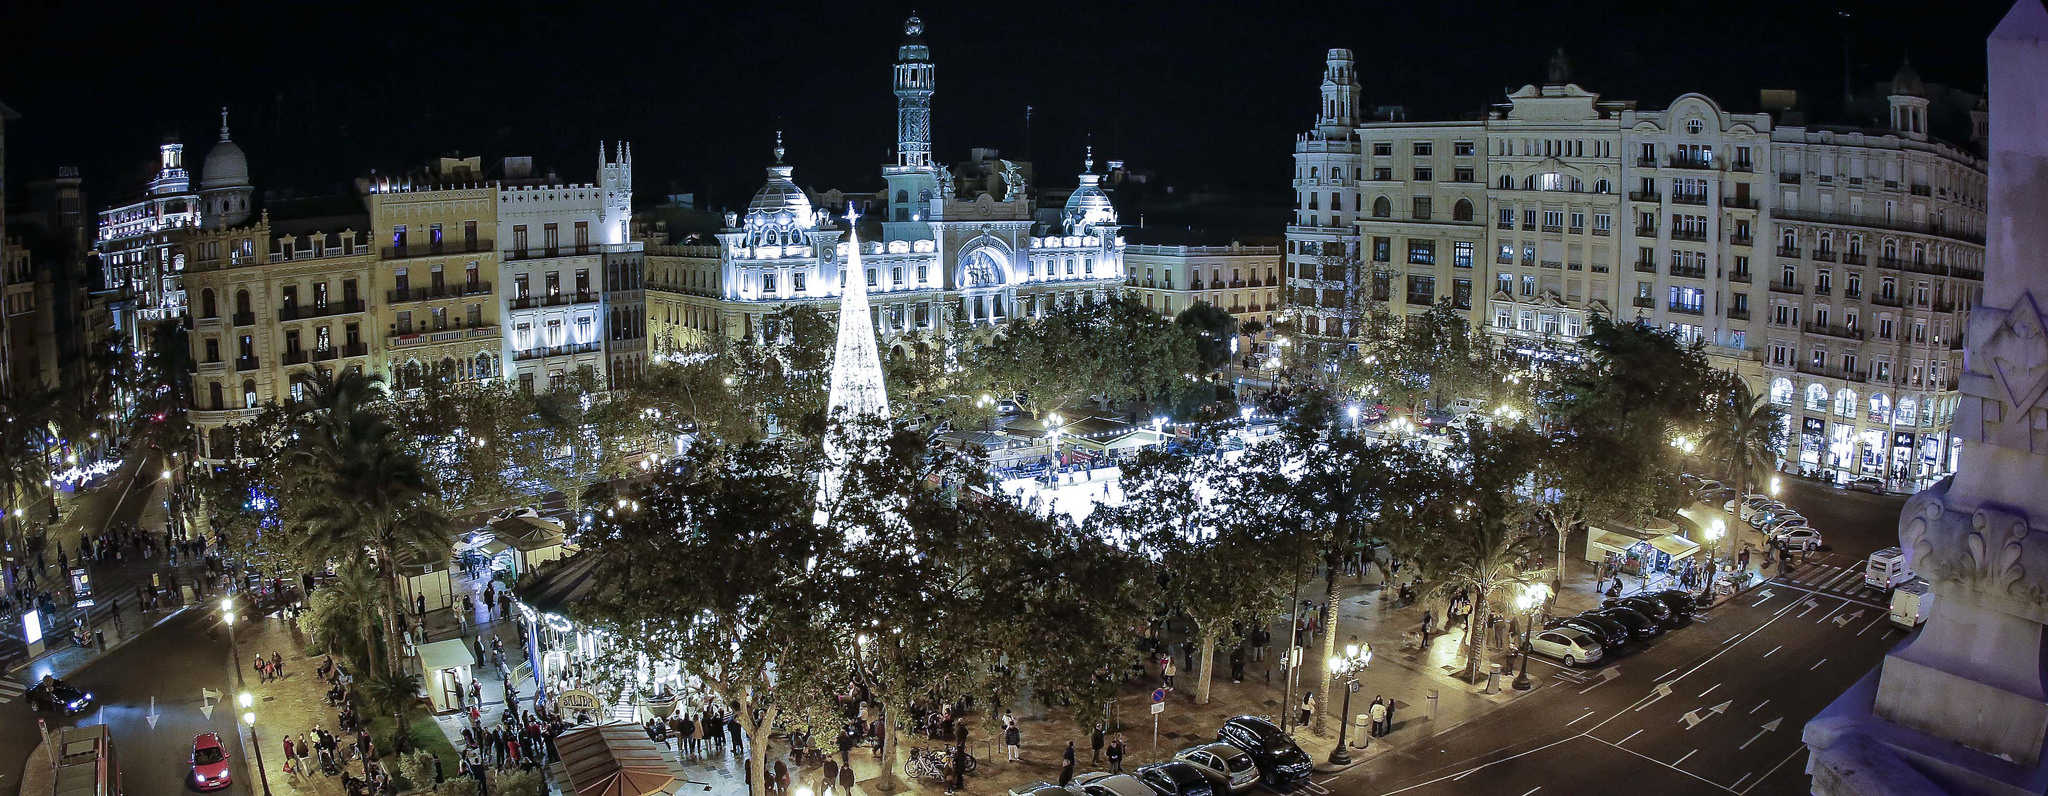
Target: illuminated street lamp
[[1532, 597], [227, 617], [248, 703], [1355, 657], [1052, 427]]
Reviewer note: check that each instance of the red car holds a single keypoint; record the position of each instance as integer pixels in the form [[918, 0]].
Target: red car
[[209, 762]]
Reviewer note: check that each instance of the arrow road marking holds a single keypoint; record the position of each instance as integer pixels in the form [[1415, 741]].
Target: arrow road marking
[[1766, 595], [1662, 690], [1606, 674], [1691, 719], [1845, 619], [207, 699], [153, 715], [1810, 605], [1769, 726]]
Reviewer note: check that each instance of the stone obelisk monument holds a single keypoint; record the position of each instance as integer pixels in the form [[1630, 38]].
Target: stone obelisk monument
[[1962, 705]]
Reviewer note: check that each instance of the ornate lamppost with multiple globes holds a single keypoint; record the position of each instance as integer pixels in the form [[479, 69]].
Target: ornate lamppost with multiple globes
[[1355, 657]]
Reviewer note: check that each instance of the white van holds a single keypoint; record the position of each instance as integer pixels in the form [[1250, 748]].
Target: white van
[[1910, 603], [1887, 569]]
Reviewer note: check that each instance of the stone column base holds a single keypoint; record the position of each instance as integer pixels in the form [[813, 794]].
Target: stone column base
[[1855, 752]]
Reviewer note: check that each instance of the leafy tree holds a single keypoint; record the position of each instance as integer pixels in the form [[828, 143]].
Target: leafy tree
[[1216, 565], [1482, 537], [1212, 329], [781, 373], [1421, 360], [367, 493], [522, 782], [1116, 351], [1744, 433], [1613, 416], [743, 615]]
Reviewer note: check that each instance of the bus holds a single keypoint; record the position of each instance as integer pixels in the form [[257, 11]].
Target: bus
[[86, 765]]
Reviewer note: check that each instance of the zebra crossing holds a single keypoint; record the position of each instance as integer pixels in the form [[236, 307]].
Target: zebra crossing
[[1832, 573], [11, 690]]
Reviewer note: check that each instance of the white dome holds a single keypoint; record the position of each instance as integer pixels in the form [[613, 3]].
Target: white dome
[[1088, 205], [780, 214], [226, 167]]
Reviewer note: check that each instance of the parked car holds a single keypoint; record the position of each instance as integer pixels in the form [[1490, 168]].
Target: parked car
[[1043, 788], [51, 693], [1175, 778], [1869, 483], [1777, 522], [1228, 768], [1719, 494], [1612, 635], [1683, 603], [1709, 485], [1280, 762], [1640, 627], [1106, 784], [1650, 607], [209, 763], [1796, 538], [1573, 647], [1886, 569]]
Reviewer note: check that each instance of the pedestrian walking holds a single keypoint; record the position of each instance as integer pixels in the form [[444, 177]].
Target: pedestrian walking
[[1067, 764], [846, 778], [1095, 744], [1308, 706], [1011, 738], [1379, 717], [1116, 755], [1387, 725], [1166, 671], [831, 776]]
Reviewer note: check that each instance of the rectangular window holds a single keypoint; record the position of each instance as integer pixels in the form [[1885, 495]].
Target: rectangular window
[[1422, 252], [1422, 149], [582, 234], [1383, 148], [551, 238], [796, 281], [1423, 174], [519, 239], [1461, 148], [1421, 208], [1462, 174], [1461, 254]]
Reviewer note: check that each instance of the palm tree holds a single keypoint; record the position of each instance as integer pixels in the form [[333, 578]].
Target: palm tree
[[1743, 435], [1481, 559], [346, 628], [370, 492]]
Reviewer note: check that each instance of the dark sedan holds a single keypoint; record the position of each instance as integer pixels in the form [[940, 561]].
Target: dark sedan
[[1639, 626], [1280, 762], [1612, 635], [54, 694], [1648, 606]]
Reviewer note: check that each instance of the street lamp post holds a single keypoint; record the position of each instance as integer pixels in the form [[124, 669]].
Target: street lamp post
[[1714, 533], [1355, 657], [249, 719], [227, 617], [1052, 425], [1532, 596]]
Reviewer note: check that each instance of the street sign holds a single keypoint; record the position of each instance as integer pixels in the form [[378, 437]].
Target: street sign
[[1158, 708], [1158, 696]]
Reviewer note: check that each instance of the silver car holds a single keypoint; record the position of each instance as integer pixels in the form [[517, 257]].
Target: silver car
[[1045, 789], [1227, 766], [1566, 644], [1105, 784]]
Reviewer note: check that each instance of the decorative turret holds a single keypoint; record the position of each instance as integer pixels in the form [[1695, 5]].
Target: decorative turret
[[1088, 207], [615, 179], [780, 213], [1909, 102], [914, 86], [224, 182], [1340, 95], [170, 173]]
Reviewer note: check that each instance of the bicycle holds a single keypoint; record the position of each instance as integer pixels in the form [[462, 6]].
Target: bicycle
[[934, 763]]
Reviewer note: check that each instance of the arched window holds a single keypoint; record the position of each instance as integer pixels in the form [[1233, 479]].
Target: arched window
[[1789, 239], [483, 366], [1825, 245], [206, 306], [1381, 208], [1462, 211], [249, 394], [1781, 391], [902, 197], [1880, 407], [241, 302], [1845, 403], [1907, 408], [1601, 186], [1314, 172], [1816, 397], [1507, 183], [1891, 249]]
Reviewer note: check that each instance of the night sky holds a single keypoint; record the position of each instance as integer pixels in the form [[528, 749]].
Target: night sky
[[1201, 94]]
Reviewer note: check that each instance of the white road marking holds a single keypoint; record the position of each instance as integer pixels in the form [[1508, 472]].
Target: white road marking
[[1738, 780], [1773, 650], [1666, 765], [1577, 720], [1675, 763], [1710, 689], [1624, 740], [1781, 763], [1816, 664], [1810, 605], [1533, 790], [1824, 617], [1797, 587], [1873, 623], [1843, 580], [1463, 774], [1660, 678], [1760, 706]]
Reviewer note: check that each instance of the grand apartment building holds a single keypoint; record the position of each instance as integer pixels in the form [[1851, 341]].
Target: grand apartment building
[[1240, 279], [451, 272], [1832, 267], [940, 249]]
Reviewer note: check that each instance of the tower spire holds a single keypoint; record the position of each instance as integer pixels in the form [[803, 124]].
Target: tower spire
[[223, 122], [778, 147], [1088, 160]]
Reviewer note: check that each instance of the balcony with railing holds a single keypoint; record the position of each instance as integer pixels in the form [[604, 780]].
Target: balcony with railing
[[1824, 255], [1855, 258], [556, 300], [1788, 251], [432, 292], [1689, 271], [1852, 295], [1684, 309], [437, 249], [300, 313], [1891, 300], [245, 319], [1694, 235], [1689, 199], [1645, 196], [1786, 287], [1920, 190], [1833, 330], [1738, 313], [1833, 373], [1741, 240], [1788, 177], [355, 350], [1645, 302], [1744, 166], [558, 350], [1739, 202], [511, 255], [1602, 232], [1682, 161], [1646, 232], [1646, 267], [245, 363], [1553, 228], [1739, 276], [1823, 290], [1646, 163], [1879, 222]]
